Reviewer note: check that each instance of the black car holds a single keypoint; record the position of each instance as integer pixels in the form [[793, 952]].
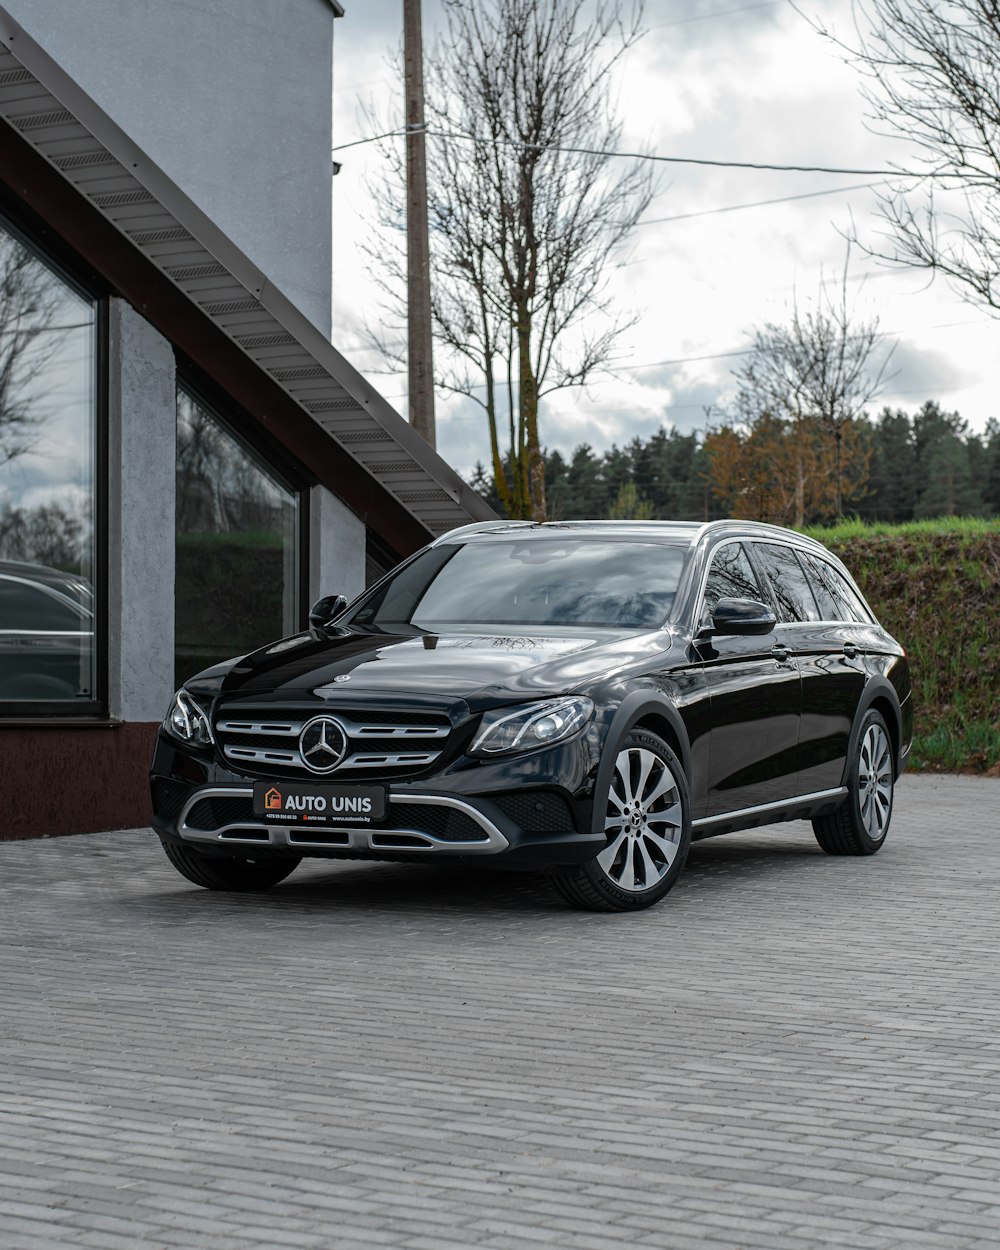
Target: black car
[[583, 698]]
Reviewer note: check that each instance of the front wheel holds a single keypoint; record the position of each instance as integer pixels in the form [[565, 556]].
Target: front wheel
[[229, 872], [647, 820], [859, 825]]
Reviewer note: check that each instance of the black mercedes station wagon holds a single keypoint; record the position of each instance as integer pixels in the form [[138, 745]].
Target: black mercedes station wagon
[[582, 698]]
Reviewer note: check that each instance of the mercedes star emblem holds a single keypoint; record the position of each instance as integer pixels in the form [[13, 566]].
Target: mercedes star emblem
[[322, 744]]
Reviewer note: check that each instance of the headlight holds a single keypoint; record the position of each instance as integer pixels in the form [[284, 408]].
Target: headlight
[[187, 721], [537, 725]]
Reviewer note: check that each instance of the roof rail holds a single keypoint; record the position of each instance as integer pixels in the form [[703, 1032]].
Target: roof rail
[[483, 527]]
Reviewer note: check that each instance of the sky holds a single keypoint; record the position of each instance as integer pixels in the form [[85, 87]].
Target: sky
[[729, 80]]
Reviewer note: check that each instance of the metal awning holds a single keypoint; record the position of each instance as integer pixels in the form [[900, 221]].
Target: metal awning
[[75, 136]]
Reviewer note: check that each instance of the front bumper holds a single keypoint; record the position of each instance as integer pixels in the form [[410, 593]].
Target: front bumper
[[536, 813]]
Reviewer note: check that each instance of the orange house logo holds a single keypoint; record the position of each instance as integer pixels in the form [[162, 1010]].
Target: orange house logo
[[272, 800]]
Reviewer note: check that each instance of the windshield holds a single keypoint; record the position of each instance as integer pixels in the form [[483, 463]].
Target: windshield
[[541, 581]]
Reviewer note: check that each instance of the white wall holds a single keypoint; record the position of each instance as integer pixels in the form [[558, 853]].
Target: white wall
[[336, 547], [142, 442], [231, 98]]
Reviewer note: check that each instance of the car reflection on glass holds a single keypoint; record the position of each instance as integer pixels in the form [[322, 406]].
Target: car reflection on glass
[[46, 633]]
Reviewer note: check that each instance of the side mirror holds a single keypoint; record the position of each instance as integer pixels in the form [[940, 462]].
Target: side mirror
[[324, 610], [742, 616]]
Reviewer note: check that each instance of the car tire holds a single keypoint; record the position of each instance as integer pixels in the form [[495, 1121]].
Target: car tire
[[229, 872], [859, 826], [647, 815]]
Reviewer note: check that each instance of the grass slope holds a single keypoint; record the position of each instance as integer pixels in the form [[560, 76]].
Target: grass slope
[[935, 585]]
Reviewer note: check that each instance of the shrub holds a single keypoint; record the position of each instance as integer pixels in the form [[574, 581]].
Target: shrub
[[935, 586]]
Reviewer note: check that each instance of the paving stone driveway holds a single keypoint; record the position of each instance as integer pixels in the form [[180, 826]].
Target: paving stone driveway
[[792, 1051]]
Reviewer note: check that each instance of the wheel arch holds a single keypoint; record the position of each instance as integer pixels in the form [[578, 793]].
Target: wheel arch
[[879, 696], [641, 710]]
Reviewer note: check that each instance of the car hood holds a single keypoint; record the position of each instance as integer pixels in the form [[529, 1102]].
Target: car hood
[[481, 668]]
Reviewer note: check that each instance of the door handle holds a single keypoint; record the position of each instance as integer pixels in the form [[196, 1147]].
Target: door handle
[[850, 650], [780, 652]]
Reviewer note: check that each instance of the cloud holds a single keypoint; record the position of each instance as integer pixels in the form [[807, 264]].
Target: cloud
[[920, 373]]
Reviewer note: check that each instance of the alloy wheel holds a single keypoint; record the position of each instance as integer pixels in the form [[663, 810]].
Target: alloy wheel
[[644, 821], [875, 782]]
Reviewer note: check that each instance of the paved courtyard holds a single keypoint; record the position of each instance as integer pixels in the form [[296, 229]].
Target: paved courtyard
[[792, 1051]]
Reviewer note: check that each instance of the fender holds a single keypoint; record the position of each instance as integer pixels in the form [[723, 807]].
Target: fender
[[875, 688], [632, 709]]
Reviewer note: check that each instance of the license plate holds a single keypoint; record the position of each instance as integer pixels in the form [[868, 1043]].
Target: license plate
[[295, 802]]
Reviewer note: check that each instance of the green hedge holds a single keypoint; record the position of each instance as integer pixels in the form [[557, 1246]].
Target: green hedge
[[229, 597], [935, 585]]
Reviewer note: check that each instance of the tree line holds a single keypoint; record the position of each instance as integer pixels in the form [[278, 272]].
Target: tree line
[[902, 467]]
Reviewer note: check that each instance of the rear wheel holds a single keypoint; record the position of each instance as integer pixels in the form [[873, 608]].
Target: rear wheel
[[860, 824], [647, 820], [229, 872]]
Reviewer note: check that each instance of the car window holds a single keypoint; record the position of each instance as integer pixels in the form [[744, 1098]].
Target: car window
[[788, 581], [730, 576], [836, 597]]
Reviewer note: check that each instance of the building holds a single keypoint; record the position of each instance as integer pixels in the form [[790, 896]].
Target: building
[[186, 460]]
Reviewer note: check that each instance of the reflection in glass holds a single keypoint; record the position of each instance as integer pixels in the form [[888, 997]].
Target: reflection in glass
[[836, 598], [730, 577], [237, 550], [788, 581], [47, 486], [558, 581]]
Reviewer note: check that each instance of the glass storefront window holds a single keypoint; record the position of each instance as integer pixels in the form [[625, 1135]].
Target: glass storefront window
[[237, 545], [48, 438]]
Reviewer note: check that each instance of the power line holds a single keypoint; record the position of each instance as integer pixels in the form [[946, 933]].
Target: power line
[[732, 208], [655, 156], [746, 351], [356, 143], [704, 17], [669, 407], [749, 351]]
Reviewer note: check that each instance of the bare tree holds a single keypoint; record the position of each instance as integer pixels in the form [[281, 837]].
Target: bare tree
[[220, 487], [819, 370], [29, 302], [527, 212], [932, 75]]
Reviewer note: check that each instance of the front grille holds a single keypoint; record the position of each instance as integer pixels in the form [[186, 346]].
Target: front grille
[[539, 812], [380, 744]]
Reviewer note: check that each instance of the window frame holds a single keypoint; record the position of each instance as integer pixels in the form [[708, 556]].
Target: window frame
[[85, 283]]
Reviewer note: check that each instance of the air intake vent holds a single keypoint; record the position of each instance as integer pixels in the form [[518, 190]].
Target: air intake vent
[[232, 306], [331, 405], [84, 160], [32, 121], [174, 235], [118, 199], [299, 374], [197, 271]]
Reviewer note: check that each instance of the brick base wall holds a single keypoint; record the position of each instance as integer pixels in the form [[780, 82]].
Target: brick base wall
[[61, 780]]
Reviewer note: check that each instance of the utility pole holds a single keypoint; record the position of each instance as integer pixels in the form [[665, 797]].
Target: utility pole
[[418, 266]]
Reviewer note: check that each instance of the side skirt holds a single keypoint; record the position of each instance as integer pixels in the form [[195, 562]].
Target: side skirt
[[803, 807]]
